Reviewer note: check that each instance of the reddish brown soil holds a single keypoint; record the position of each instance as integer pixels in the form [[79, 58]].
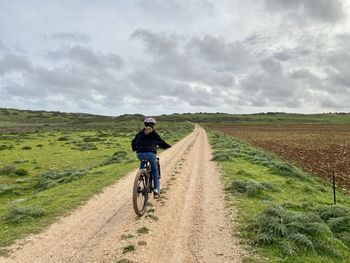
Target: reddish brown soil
[[319, 149]]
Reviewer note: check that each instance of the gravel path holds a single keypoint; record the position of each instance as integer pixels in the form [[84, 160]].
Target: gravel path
[[189, 223]]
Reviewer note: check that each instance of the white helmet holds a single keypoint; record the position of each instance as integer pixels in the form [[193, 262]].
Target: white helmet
[[150, 121]]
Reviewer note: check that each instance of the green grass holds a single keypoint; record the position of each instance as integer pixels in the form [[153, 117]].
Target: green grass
[[284, 214]]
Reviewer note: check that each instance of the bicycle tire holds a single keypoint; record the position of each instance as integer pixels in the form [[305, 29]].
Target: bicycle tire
[[140, 192]]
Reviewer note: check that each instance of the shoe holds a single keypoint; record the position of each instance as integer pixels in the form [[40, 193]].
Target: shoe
[[155, 194]]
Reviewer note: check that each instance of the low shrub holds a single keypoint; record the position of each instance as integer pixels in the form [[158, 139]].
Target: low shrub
[[292, 231], [5, 188], [6, 147], [20, 214], [26, 147], [85, 146], [221, 156], [20, 161], [92, 139], [286, 169], [252, 188], [63, 138], [7, 169], [21, 172], [52, 178], [117, 157]]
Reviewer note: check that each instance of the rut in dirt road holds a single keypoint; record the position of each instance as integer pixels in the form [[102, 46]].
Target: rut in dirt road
[[189, 223]]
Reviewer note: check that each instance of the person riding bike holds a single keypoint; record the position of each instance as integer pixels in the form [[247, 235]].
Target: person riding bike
[[145, 144]]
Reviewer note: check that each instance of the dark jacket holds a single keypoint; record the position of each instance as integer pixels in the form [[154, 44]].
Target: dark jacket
[[148, 142]]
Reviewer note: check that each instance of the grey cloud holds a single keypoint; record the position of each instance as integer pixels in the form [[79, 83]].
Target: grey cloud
[[71, 37], [289, 54], [218, 51], [181, 11], [2, 45], [159, 44], [12, 62], [270, 86], [271, 66], [88, 57], [321, 10]]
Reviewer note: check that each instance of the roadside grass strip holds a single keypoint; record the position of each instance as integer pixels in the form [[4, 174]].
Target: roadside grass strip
[[284, 214]]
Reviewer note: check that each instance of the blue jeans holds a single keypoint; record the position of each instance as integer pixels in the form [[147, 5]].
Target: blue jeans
[[152, 158]]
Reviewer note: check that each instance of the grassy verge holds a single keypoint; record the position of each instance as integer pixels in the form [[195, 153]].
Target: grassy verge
[[43, 175], [284, 214]]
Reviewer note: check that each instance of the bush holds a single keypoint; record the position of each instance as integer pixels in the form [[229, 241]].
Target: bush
[[39, 146], [52, 178], [64, 138], [26, 147], [296, 231], [221, 156], [117, 157], [5, 188], [7, 169], [6, 147], [92, 139], [86, 146], [21, 172], [252, 188], [19, 214], [286, 169]]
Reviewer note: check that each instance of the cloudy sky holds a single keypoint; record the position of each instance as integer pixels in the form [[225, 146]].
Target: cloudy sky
[[165, 56]]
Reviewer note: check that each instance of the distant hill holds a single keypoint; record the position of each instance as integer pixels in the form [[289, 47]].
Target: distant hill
[[14, 118]]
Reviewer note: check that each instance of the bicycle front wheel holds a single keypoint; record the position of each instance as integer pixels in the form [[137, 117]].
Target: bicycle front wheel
[[140, 193]]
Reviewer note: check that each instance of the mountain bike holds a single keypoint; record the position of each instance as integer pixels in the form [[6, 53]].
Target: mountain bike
[[143, 186]]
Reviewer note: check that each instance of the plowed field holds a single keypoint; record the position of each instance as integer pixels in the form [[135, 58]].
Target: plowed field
[[318, 149]]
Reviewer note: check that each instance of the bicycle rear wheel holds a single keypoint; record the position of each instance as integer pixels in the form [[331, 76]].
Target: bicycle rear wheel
[[140, 193]]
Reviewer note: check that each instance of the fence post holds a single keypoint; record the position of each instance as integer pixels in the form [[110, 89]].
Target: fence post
[[334, 193]]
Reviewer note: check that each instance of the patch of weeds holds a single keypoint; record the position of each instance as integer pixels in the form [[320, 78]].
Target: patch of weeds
[[152, 217], [293, 232], [5, 252], [252, 188], [308, 189], [63, 138], [244, 173], [20, 161], [125, 237], [142, 243], [52, 178], [285, 169], [152, 210], [85, 146], [92, 139], [7, 169], [221, 156], [26, 147], [128, 249], [124, 260], [251, 259], [6, 147], [21, 172], [5, 188], [19, 214], [39, 145], [143, 230], [117, 157]]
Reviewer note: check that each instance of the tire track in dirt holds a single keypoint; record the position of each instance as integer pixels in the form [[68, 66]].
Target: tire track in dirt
[[187, 224]]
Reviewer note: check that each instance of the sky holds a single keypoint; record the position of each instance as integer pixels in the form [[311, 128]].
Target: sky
[[174, 56]]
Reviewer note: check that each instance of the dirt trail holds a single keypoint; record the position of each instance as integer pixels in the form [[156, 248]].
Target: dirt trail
[[189, 223]]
